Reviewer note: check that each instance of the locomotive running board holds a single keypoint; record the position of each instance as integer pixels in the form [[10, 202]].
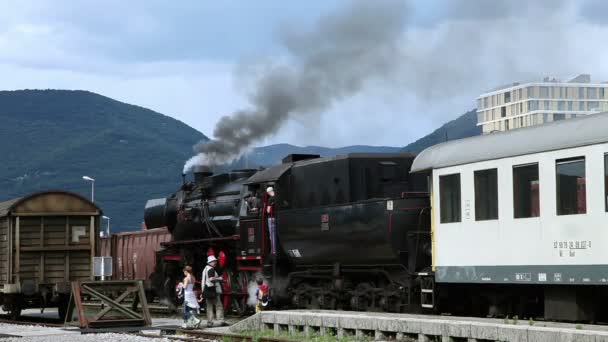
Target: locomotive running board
[[190, 242]]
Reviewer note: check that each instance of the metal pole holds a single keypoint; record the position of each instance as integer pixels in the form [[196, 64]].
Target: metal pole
[[93, 191], [108, 226]]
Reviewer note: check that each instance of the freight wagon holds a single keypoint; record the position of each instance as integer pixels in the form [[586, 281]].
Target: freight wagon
[[134, 254], [47, 240]]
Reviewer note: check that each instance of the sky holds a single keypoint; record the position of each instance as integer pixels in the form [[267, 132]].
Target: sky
[[197, 61]]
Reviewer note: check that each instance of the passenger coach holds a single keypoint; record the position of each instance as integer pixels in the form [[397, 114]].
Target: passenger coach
[[520, 221]]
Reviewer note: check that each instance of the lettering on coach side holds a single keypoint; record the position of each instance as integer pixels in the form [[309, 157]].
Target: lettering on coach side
[[568, 248]]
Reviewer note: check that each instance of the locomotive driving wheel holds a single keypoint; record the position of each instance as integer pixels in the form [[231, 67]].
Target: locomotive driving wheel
[[239, 287], [169, 291]]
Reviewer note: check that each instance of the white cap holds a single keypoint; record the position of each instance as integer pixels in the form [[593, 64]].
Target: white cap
[[269, 189], [211, 259]]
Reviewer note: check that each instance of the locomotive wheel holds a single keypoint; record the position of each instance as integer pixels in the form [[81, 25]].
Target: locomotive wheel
[[240, 305], [169, 292]]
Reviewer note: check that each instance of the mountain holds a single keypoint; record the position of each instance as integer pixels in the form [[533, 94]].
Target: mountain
[[272, 154], [49, 139], [461, 127]]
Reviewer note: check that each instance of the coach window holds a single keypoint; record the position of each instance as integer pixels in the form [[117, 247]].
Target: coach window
[[526, 201], [449, 198], [486, 195], [571, 188]]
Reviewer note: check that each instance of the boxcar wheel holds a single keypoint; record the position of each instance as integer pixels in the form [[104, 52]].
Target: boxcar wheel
[[62, 309], [14, 312]]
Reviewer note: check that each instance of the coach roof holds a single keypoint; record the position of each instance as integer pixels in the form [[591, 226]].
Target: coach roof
[[587, 130]]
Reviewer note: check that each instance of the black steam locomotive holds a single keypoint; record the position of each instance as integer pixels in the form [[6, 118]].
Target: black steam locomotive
[[352, 232]]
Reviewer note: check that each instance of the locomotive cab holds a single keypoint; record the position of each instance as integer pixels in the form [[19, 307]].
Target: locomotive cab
[[253, 230]]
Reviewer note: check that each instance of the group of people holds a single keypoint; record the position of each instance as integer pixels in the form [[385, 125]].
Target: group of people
[[211, 281], [211, 285], [212, 289]]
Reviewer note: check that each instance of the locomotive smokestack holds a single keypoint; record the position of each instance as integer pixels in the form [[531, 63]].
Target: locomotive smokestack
[[331, 62], [201, 172]]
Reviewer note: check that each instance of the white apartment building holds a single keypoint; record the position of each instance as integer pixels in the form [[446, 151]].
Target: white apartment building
[[534, 103]]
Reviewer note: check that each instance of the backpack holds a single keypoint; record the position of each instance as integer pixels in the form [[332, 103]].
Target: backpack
[[262, 296]]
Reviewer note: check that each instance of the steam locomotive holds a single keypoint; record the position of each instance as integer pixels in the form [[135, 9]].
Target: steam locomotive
[[352, 232]]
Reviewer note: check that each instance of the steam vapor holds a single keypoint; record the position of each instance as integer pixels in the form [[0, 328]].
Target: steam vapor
[[371, 41], [327, 64]]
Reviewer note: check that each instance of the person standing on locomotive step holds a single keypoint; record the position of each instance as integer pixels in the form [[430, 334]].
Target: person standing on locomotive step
[[271, 221], [212, 290], [190, 302]]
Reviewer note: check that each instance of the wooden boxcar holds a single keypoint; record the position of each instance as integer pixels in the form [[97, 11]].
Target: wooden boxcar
[[47, 240]]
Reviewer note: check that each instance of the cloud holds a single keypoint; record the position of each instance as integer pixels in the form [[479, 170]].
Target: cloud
[[180, 58]]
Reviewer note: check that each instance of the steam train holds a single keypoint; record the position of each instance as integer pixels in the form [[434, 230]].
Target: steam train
[[352, 232], [504, 224]]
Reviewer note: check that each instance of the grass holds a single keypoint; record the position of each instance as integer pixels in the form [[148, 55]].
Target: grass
[[299, 336]]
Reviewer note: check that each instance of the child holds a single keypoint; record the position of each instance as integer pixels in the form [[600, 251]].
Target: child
[[261, 294]]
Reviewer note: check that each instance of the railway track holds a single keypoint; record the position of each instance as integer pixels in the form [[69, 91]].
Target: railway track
[[214, 336], [45, 322], [204, 336]]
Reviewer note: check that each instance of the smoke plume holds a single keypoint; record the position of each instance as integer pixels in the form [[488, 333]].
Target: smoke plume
[[327, 64], [435, 68]]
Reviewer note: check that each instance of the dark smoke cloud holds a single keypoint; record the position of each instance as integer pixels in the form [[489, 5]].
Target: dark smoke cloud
[[471, 47], [328, 64]]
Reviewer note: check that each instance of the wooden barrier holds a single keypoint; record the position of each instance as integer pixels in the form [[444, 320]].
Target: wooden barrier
[[114, 312]]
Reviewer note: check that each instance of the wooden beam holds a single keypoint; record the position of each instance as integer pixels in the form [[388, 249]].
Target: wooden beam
[[82, 318], [115, 305], [9, 278], [60, 213], [145, 312], [120, 298], [17, 252], [41, 267], [66, 270], [92, 239], [66, 254], [55, 248], [108, 292]]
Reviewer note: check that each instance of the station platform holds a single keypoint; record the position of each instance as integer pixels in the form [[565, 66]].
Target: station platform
[[388, 326]]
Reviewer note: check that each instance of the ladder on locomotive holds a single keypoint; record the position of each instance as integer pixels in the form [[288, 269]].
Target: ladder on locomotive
[[427, 290]]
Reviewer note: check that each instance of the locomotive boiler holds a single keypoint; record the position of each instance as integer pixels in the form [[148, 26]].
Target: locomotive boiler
[[352, 231]]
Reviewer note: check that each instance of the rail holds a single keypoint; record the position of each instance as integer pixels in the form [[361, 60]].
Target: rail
[[215, 336]]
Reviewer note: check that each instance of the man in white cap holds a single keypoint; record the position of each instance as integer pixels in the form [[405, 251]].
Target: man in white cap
[[271, 221], [212, 289]]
